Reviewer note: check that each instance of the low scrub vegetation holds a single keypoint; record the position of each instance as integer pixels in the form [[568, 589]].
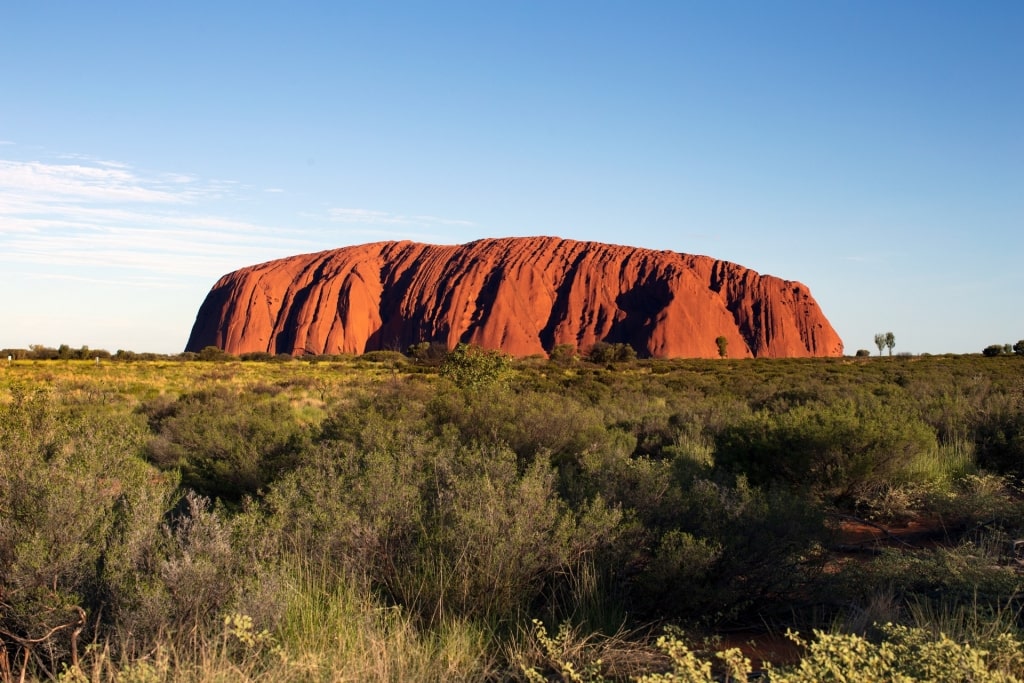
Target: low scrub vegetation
[[472, 517]]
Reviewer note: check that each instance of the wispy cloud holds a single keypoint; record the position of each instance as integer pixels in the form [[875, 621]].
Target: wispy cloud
[[370, 217], [103, 216], [63, 182], [156, 281], [104, 221]]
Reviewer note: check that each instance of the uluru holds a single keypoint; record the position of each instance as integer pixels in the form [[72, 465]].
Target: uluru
[[522, 295]]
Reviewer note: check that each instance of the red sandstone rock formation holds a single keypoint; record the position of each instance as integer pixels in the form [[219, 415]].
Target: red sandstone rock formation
[[521, 295]]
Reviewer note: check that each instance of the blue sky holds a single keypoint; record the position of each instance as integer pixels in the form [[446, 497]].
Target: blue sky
[[872, 150]]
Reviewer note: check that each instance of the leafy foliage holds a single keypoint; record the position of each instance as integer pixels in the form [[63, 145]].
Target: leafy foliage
[[837, 451], [471, 367], [604, 353], [225, 445]]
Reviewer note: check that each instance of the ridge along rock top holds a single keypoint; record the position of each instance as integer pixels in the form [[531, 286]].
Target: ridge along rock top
[[522, 295]]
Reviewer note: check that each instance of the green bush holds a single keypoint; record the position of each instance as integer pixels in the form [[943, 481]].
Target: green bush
[[471, 367], [226, 445], [836, 452], [390, 357], [604, 353], [181, 579], [76, 503], [356, 511], [529, 423], [999, 435], [734, 549], [442, 529], [501, 539]]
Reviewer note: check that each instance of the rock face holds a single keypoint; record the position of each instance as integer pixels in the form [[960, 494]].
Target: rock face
[[521, 295]]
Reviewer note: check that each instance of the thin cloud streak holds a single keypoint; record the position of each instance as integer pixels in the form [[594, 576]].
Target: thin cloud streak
[[136, 281], [104, 216], [100, 221], [370, 217], [393, 235], [110, 184]]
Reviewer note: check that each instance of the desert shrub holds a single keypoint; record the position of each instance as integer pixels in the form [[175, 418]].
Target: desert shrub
[[213, 353], [500, 538], [970, 573], [903, 654], [428, 353], [226, 445], [999, 437], [604, 353], [356, 510], [695, 545], [978, 500], [257, 356], [646, 487], [75, 499], [472, 367], [563, 354], [900, 654], [733, 549], [390, 357], [836, 452], [528, 422], [444, 529], [381, 417], [182, 580], [88, 524]]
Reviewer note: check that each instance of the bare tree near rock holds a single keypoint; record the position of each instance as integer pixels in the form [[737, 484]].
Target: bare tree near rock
[[880, 342]]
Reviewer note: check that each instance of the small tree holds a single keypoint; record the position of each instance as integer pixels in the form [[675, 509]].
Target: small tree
[[603, 352], [470, 366], [993, 350], [862, 353], [723, 344], [1018, 348], [880, 342], [563, 354], [890, 341], [428, 353], [213, 353]]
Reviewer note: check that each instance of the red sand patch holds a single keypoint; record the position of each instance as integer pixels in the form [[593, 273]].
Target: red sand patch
[[914, 534], [762, 648]]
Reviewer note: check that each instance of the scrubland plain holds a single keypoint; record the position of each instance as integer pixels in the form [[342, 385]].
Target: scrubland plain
[[470, 517]]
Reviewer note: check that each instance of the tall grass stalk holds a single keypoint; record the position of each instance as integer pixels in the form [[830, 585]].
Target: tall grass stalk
[[335, 631], [328, 630], [972, 622], [944, 464]]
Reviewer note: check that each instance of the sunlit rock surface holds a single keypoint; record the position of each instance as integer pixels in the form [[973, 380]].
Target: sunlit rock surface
[[521, 295]]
